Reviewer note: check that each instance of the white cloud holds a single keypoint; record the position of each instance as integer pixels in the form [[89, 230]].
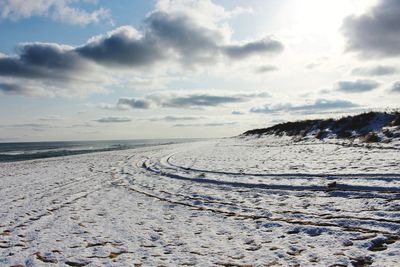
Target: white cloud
[[58, 10], [204, 11]]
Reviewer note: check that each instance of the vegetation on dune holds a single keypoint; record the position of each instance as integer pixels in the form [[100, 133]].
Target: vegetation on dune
[[365, 126]]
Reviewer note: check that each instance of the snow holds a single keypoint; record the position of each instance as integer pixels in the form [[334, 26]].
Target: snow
[[228, 202]]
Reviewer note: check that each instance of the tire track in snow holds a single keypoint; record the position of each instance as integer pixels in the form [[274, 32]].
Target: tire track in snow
[[172, 198]]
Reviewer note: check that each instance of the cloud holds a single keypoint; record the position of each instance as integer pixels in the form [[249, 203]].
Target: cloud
[[193, 101], [255, 95], [27, 125], [358, 86], [114, 119], [183, 37], [81, 125], [48, 69], [167, 36], [43, 61], [107, 106], [374, 71], [375, 33], [265, 69], [58, 10], [201, 101], [311, 66], [265, 46], [135, 103], [205, 12], [208, 100], [13, 89], [395, 87], [236, 112], [212, 124], [177, 118], [124, 46], [317, 105], [51, 118]]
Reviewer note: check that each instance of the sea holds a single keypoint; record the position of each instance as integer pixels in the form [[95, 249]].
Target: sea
[[37, 150]]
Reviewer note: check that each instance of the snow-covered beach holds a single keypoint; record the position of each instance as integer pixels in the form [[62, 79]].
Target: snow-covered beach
[[228, 202]]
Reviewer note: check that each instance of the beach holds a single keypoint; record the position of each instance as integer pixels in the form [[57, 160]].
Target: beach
[[224, 202]]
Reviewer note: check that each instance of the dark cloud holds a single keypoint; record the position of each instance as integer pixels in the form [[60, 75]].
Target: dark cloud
[[113, 119], [183, 101], [202, 101], [49, 56], [12, 89], [168, 36], [358, 86], [13, 66], [190, 41], [194, 43], [318, 105], [268, 45], [42, 61], [374, 71], [265, 69], [123, 46], [134, 103], [396, 87], [376, 33], [47, 69], [236, 112]]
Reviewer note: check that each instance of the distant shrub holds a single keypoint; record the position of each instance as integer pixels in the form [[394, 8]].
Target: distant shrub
[[387, 133], [396, 121], [371, 138], [344, 134], [320, 134], [303, 133], [354, 122]]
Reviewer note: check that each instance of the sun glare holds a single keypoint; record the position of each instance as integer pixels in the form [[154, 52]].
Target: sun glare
[[315, 16]]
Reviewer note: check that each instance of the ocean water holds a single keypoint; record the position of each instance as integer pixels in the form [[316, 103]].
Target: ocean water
[[36, 150]]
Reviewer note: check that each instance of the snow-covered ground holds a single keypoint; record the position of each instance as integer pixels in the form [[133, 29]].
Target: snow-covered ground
[[229, 202]]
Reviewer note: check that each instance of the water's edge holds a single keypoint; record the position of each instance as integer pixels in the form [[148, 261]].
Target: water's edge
[[11, 152]]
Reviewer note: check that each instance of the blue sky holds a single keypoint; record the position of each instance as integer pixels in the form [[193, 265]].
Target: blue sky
[[78, 70]]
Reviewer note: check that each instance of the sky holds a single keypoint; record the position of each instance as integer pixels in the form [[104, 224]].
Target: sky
[[100, 70]]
